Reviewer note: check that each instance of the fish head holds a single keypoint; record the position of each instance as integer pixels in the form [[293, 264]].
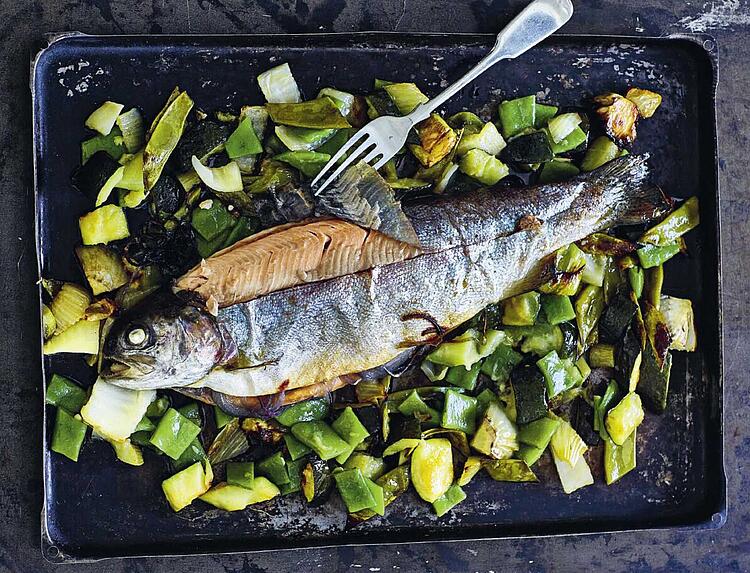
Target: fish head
[[163, 347]]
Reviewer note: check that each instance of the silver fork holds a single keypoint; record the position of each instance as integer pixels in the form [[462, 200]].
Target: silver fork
[[383, 137]]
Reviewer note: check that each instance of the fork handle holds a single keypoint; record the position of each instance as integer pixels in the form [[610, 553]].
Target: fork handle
[[535, 22]]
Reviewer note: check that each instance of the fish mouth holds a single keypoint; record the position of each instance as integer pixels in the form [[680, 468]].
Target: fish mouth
[[126, 367]]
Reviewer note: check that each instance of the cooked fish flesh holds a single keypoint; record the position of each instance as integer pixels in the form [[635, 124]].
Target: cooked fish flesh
[[288, 256]]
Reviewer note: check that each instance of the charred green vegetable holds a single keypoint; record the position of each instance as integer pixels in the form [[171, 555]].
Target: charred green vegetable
[[620, 116], [317, 481], [674, 225], [496, 436], [164, 135], [319, 113], [530, 393], [103, 268], [531, 148]]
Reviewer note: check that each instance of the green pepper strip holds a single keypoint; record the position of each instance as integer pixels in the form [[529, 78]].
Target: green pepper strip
[[652, 256], [676, 224]]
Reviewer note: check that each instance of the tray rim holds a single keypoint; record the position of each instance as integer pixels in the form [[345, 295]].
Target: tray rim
[[707, 48]]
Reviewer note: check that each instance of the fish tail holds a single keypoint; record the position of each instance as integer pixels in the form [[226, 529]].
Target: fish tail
[[633, 198]]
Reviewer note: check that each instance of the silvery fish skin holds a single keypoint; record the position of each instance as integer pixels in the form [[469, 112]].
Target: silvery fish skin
[[477, 249]]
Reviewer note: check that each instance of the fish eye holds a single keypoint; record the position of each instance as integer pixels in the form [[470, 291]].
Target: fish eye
[[138, 336]]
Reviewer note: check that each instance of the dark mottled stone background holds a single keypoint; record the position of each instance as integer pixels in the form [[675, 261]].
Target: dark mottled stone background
[[22, 26]]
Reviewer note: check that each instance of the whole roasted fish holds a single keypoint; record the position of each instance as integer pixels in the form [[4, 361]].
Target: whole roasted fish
[[308, 305]]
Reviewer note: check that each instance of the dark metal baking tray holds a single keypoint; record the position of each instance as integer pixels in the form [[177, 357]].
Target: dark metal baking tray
[[98, 508]]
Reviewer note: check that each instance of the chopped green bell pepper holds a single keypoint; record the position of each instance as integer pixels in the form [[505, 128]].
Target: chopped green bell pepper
[[309, 410], [557, 308], [174, 433], [296, 448], [378, 494], [522, 309], [354, 490], [448, 500], [158, 407], [467, 379], [653, 256], [243, 141], [207, 248], [274, 468], [241, 473], [321, 438], [65, 394], [210, 219], [543, 113], [559, 373], [193, 453], [243, 227], [557, 171], [145, 425], [500, 363], [459, 412], [142, 439], [414, 406], [68, 435], [483, 400], [348, 426], [529, 454], [192, 412], [539, 432], [517, 115]]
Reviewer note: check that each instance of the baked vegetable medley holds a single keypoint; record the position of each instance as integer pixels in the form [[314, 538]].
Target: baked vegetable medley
[[490, 296]]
